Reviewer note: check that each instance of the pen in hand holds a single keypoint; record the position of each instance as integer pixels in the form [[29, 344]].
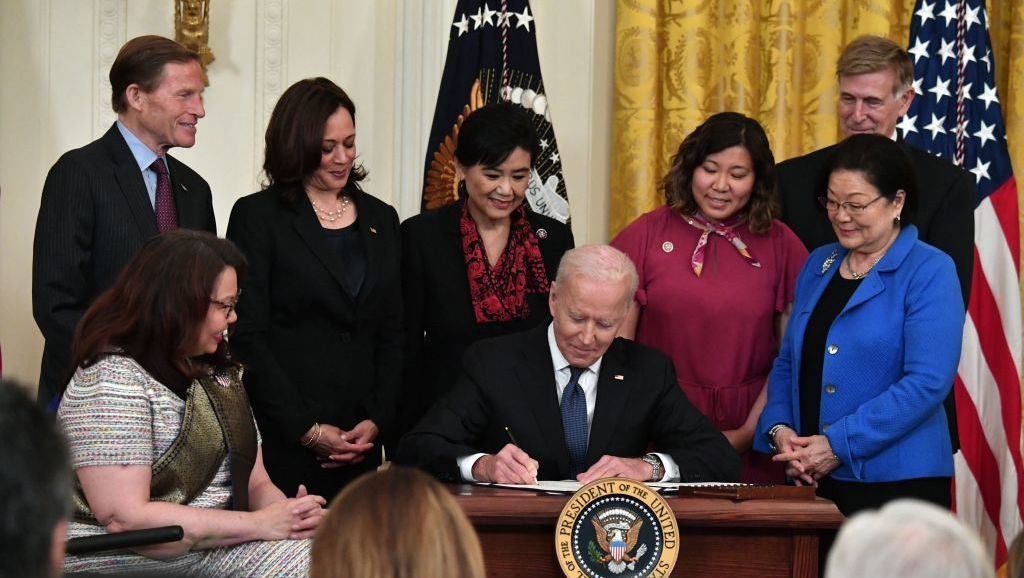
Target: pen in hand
[[512, 439]]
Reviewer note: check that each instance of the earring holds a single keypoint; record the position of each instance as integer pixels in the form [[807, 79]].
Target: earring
[[897, 219]]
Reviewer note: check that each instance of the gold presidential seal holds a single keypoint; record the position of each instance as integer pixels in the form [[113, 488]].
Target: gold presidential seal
[[616, 528]]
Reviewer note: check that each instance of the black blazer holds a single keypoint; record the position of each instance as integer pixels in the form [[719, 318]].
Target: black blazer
[[439, 319], [945, 205], [510, 381], [312, 351], [94, 215]]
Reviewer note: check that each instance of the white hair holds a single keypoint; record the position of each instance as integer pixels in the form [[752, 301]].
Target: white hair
[[907, 539], [598, 263]]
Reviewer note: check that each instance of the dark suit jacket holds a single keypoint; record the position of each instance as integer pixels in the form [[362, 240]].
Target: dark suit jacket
[[439, 318], [945, 205], [510, 381], [946, 199], [94, 215], [313, 352]]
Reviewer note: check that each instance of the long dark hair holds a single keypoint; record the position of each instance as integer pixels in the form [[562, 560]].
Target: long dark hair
[[295, 134], [158, 304], [717, 133]]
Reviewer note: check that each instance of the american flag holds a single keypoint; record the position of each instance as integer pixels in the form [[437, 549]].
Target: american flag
[[956, 114]]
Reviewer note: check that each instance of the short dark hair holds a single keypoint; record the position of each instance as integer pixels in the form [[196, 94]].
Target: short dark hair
[[717, 133], [35, 483], [141, 61], [295, 133], [159, 302], [490, 133], [881, 161]]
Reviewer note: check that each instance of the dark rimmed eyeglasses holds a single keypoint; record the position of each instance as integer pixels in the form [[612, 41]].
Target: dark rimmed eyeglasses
[[850, 208], [226, 306]]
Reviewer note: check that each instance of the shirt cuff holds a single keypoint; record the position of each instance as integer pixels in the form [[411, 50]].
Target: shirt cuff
[[466, 466], [670, 466]]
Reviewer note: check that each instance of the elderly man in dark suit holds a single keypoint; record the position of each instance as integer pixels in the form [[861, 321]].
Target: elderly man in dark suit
[[102, 201], [570, 400], [876, 78]]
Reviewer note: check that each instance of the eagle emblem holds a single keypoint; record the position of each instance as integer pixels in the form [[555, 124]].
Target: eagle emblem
[[442, 187], [617, 531]]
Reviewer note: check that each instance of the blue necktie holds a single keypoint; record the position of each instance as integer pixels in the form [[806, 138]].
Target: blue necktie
[[574, 420]]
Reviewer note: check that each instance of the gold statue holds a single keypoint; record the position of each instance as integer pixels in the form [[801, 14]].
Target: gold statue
[[192, 29]]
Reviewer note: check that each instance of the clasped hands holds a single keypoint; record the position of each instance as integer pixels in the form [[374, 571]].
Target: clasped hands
[[807, 458], [292, 518], [512, 465], [336, 448]]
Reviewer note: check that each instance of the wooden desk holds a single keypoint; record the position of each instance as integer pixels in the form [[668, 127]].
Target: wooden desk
[[720, 538]]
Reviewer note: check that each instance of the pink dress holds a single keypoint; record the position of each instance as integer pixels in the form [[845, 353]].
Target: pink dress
[[719, 328]]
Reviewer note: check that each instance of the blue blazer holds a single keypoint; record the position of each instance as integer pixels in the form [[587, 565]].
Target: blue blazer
[[890, 360]]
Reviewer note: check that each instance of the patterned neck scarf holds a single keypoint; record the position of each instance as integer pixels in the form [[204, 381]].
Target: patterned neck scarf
[[726, 230], [499, 293]]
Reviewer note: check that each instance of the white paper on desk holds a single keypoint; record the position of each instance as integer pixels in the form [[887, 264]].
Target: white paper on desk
[[551, 486], [572, 486]]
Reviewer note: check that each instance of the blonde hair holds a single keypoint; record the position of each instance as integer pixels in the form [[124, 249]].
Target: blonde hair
[[397, 523], [866, 54]]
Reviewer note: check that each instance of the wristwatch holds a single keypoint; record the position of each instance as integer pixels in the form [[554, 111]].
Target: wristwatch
[[656, 470]]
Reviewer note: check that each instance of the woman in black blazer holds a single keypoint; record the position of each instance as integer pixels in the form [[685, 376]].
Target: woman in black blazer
[[481, 267], [320, 323]]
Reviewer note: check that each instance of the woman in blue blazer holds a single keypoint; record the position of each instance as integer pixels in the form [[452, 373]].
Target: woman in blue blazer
[[871, 350]]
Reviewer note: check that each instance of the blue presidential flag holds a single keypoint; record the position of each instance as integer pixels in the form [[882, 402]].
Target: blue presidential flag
[[492, 56]]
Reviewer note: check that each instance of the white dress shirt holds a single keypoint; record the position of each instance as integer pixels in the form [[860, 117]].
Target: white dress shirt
[[588, 381]]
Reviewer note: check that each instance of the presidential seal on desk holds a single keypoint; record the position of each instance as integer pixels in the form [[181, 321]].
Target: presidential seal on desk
[[619, 528]]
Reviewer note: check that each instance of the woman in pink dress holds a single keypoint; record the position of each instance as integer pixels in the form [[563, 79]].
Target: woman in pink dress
[[717, 271]]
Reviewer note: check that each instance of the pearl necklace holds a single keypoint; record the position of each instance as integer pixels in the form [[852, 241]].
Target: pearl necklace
[[855, 275], [331, 216]]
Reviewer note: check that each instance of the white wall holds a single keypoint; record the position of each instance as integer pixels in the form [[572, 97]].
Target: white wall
[[388, 54]]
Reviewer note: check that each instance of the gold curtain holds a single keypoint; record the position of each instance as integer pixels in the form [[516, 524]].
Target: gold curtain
[[679, 61]]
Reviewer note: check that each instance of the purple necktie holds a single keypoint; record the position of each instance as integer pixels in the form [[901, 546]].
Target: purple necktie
[[166, 212]]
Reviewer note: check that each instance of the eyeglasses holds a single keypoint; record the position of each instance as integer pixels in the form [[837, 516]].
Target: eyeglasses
[[850, 208], [226, 306]]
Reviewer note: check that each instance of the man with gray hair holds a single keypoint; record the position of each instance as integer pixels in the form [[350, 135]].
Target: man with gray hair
[[876, 78], [907, 539], [35, 488], [570, 400]]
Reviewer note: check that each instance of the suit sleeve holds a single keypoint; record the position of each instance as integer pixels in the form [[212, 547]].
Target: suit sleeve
[[209, 217], [62, 255], [680, 430], [388, 338], [778, 408], [271, 389], [411, 400], [952, 228], [451, 427]]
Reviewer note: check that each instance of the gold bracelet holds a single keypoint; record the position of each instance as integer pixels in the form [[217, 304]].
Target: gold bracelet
[[314, 437]]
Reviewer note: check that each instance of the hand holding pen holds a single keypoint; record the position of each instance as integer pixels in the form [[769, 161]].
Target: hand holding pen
[[511, 465]]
